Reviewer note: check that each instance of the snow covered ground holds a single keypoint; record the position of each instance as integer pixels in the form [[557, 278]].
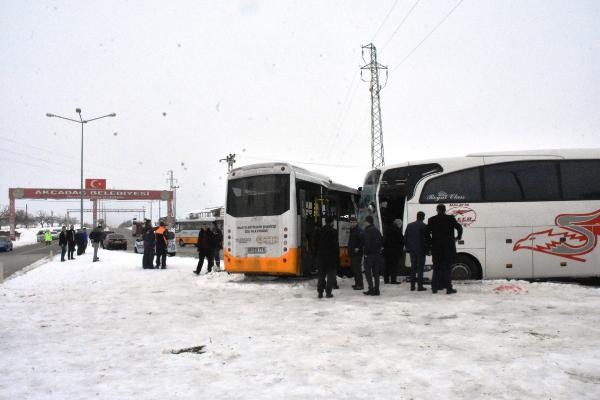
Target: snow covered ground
[[28, 236], [81, 330]]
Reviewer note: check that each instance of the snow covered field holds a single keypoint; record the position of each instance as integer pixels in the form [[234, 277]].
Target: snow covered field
[[28, 236], [81, 330]]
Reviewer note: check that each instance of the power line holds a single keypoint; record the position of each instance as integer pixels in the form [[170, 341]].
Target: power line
[[384, 20], [428, 35], [400, 24]]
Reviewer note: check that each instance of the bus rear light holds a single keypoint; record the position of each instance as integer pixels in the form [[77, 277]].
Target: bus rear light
[[285, 229], [228, 230], [285, 235], [229, 237], [285, 249], [228, 249], [285, 242], [284, 260]]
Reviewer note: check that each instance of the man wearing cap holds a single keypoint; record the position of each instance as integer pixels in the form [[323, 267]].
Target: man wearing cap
[[440, 229]]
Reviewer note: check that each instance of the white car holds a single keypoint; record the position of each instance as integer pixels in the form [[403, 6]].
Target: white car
[[171, 248]]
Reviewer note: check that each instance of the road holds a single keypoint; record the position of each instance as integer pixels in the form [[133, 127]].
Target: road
[[21, 257], [187, 251]]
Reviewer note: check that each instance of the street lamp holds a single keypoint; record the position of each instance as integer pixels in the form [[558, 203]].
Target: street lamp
[[82, 122]]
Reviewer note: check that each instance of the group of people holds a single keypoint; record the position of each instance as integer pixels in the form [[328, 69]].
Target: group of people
[[70, 238], [209, 245], [371, 250], [156, 240]]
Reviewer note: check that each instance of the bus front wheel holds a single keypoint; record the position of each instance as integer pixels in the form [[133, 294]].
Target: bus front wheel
[[465, 268]]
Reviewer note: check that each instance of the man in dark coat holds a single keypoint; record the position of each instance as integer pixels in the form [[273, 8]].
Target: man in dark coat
[[355, 251], [205, 250], [416, 243], [149, 242], [62, 242], [161, 240], [392, 251], [71, 242], [440, 229], [84, 235], [373, 245], [328, 257], [79, 241], [96, 237]]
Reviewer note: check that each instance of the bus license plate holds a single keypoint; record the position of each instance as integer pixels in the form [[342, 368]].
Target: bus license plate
[[256, 250]]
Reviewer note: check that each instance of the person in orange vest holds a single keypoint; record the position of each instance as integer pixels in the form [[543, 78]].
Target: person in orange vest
[[160, 234]]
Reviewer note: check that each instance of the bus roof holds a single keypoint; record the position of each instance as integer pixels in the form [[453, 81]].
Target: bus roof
[[301, 173], [451, 163]]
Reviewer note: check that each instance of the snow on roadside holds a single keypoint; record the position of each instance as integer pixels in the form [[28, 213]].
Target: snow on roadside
[[79, 329], [28, 236]]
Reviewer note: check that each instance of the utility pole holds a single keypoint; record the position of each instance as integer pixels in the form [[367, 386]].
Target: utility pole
[[174, 188], [373, 66], [230, 159]]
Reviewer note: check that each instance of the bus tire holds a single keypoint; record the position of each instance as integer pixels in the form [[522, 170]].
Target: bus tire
[[181, 243], [466, 267]]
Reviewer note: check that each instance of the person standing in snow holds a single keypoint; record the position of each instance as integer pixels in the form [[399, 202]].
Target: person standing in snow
[[149, 240], [84, 239], [79, 241], [62, 242], [440, 229], [71, 242], [204, 245], [416, 243], [48, 237], [96, 237], [217, 245], [328, 257], [355, 250], [161, 239], [392, 250], [373, 243]]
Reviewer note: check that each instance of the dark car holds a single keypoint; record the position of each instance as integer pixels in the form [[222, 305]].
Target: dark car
[[5, 244], [115, 241], [104, 235]]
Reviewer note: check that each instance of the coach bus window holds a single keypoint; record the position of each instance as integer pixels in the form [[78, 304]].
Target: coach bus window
[[522, 181], [460, 186], [258, 195], [580, 179]]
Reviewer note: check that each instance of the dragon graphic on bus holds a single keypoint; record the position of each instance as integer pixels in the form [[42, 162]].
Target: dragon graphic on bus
[[574, 236]]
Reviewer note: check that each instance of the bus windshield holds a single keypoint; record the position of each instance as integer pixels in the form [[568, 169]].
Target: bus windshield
[[261, 195]]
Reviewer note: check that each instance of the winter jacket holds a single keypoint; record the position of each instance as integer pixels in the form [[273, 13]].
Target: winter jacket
[[328, 248], [47, 236], [393, 240], [355, 242], [217, 238], [71, 236], [205, 241], [440, 229], [96, 235], [149, 238], [372, 240], [415, 238], [160, 235], [62, 238]]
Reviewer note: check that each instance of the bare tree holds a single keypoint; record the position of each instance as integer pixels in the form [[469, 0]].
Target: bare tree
[[4, 215], [41, 217]]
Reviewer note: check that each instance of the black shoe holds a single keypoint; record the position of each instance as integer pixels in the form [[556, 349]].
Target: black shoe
[[197, 272], [163, 267], [420, 289], [320, 295], [375, 292], [359, 288], [329, 295], [336, 286], [354, 287], [368, 292], [434, 291], [395, 282], [450, 291], [412, 288]]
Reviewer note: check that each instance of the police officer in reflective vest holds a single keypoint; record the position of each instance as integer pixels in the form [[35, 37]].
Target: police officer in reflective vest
[[160, 234]]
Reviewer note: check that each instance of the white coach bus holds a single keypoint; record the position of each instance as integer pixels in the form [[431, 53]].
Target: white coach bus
[[271, 214], [525, 214]]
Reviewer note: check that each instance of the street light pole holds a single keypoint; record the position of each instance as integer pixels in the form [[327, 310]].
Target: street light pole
[[81, 121]]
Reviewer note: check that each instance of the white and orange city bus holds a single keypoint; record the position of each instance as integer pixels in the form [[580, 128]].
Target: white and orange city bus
[[271, 213], [187, 229], [525, 214]]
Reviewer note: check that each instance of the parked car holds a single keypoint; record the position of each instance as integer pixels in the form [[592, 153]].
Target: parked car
[[40, 236], [5, 244], [115, 241], [104, 236], [138, 246], [55, 233]]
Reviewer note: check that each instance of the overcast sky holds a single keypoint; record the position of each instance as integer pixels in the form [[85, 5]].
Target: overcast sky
[[192, 81]]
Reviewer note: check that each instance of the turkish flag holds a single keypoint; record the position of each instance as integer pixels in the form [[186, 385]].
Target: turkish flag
[[95, 183]]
